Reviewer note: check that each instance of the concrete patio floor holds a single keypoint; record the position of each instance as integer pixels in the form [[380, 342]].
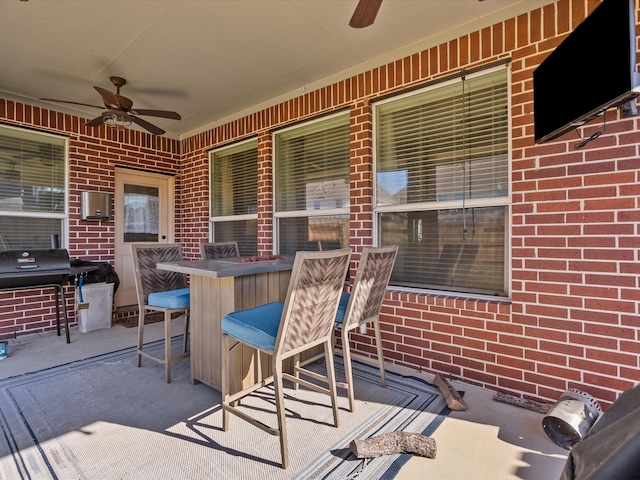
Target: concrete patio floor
[[490, 440]]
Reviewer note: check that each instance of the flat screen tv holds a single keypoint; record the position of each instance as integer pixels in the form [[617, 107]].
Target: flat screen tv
[[593, 69]]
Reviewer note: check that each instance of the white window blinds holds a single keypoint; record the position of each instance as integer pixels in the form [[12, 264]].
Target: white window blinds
[[234, 196], [442, 184], [449, 143], [312, 166], [32, 188], [234, 180]]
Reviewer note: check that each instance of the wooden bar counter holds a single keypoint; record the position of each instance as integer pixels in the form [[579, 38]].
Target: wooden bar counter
[[217, 288]]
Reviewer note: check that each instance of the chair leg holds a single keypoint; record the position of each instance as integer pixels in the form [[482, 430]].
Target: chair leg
[[280, 413], [167, 345], [225, 379], [376, 328], [296, 373], [185, 347], [331, 379], [140, 335], [348, 370]]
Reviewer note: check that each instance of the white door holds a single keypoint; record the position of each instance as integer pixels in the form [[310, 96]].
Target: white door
[[144, 213]]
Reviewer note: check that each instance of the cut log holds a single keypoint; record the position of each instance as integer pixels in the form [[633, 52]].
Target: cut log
[[523, 402], [451, 395], [392, 443]]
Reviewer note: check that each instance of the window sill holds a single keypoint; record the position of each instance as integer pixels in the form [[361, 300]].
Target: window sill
[[444, 293]]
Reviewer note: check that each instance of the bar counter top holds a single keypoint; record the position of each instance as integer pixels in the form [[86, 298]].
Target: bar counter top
[[227, 268]]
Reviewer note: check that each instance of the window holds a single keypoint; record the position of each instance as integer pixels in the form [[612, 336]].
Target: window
[[234, 196], [442, 184], [33, 201], [312, 185], [141, 213]]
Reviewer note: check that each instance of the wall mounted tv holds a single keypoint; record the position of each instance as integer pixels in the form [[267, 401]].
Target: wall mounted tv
[[593, 69]]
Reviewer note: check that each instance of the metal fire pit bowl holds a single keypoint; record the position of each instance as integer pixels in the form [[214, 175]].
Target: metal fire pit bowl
[[571, 417]]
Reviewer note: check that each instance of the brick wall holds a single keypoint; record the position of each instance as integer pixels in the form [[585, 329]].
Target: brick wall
[[573, 320], [574, 316], [93, 156]]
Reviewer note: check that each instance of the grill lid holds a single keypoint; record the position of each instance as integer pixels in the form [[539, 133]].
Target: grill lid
[[24, 268]]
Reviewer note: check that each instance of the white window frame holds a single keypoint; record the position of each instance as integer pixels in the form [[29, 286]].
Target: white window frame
[[63, 217], [309, 213], [504, 201], [228, 218]]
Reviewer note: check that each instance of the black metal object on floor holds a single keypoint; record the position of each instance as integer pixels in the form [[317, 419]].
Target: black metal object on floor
[[37, 269]]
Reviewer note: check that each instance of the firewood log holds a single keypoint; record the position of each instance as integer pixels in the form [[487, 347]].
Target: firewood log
[[392, 443], [451, 395]]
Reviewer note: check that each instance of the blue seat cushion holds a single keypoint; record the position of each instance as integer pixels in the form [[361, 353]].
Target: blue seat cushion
[[342, 308], [180, 298], [256, 326]]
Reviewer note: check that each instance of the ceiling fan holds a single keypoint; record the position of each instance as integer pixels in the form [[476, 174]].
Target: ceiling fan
[[118, 111], [365, 13]]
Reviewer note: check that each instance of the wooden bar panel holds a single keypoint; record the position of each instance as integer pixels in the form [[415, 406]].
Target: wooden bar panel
[[211, 299]]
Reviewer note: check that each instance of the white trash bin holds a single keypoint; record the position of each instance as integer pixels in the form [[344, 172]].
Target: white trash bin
[[97, 315]]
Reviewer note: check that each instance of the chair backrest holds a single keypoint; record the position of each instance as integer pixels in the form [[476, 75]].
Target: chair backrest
[[370, 285], [316, 283], [150, 279], [219, 250]]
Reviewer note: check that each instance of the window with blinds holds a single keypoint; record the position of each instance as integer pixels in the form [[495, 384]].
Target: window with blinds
[[311, 193], [234, 196], [442, 184], [33, 201]]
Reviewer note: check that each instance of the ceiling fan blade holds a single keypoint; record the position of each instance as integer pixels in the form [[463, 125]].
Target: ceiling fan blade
[[146, 125], [365, 13], [110, 98], [72, 103], [96, 122], [124, 102], [157, 113]]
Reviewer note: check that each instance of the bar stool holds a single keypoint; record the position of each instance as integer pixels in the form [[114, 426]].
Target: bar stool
[[160, 291]]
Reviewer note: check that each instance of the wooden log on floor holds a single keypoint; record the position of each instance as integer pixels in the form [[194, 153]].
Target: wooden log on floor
[[451, 395], [392, 443], [523, 403]]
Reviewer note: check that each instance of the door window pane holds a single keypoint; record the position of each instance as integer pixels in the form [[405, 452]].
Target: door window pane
[[141, 210]]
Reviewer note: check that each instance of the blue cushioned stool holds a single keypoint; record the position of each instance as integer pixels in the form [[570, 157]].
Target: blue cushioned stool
[[160, 291], [362, 306], [342, 308], [170, 299], [257, 326], [282, 331]]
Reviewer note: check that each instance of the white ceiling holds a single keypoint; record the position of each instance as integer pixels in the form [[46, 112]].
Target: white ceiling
[[213, 60]]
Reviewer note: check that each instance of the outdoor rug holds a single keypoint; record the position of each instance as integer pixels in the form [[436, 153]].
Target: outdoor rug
[[103, 418]]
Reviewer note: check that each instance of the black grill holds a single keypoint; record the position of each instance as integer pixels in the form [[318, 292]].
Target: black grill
[[23, 269], [30, 268]]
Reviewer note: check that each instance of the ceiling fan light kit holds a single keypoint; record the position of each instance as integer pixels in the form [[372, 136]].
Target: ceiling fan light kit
[[116, 119], [119, 112]]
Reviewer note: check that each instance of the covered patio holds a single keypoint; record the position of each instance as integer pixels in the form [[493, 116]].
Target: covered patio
[[490, 439], [526, 284]]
